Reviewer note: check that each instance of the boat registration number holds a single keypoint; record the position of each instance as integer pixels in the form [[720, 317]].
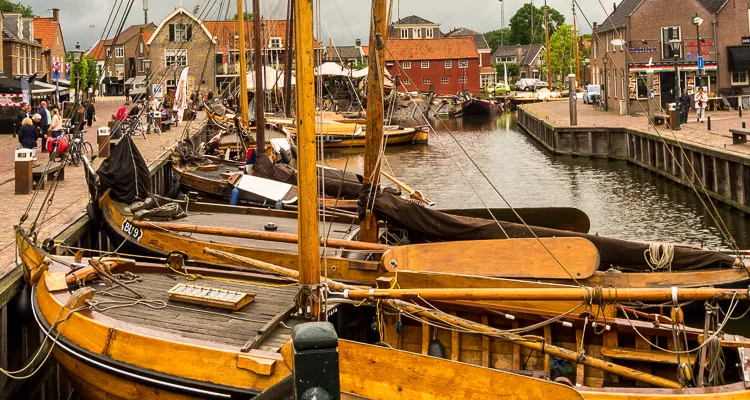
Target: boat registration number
[[132, 231]]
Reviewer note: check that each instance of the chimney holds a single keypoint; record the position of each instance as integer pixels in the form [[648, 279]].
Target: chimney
[[519, 53], [358, 42], [56, 14]]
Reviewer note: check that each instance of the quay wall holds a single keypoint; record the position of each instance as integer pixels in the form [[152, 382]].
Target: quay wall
[[724, 175]]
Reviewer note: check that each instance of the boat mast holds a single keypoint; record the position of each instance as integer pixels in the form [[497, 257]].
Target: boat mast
[[288, 66], [575, 44], [546, 43], [307, 180], [243, 64], [368, 231], [260, 117]]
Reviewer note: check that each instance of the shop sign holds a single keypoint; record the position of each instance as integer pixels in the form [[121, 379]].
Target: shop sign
[[695, 44], [643, 49], [694, 55], [746, 40]]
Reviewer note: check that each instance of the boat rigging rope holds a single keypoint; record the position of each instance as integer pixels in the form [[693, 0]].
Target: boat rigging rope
[[659, 256]]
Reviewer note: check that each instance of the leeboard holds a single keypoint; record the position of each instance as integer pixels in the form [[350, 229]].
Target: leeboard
[[503, 258]]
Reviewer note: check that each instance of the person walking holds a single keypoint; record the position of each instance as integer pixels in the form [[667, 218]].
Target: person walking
[[701, 102], [122, 112], [90, 111], [44, 124], [684, 106], [27, 134], [22, 114], [55, 127]]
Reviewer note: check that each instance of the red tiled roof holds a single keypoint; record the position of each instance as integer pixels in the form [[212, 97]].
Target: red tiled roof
[[132, 31], [366, 50], [431, 49], [147, 36], [98, 50], [487, 70], [45, 29], [225, 31]]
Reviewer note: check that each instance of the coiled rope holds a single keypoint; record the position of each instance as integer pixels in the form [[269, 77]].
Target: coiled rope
[[659, 256]]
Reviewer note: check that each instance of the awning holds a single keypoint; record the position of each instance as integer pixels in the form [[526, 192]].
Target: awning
[[739, 58], [135, 80]]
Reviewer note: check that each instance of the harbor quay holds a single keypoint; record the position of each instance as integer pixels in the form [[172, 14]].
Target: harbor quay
[[710, 160]]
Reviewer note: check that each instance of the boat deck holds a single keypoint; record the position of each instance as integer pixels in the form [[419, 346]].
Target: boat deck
[[231, 328]]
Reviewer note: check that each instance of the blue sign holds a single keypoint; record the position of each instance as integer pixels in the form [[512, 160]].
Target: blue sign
[[700, 62]]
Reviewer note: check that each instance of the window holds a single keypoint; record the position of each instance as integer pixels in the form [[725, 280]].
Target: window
[[444, 80], [429, 33], [404, 33], [140, 48], [448, 64], [641, 85], [486, 80], [405, 64], [462, 79], [417, 33], [426, 81], [119, 52], [463, 64], [274, 43], [407, 81], [425, 64], [171, 83], [176, 57], [233, 57], [108, 51], [180, 32], [668, 34], [502, 59], [740, 79], [140, 66], [595, 46]]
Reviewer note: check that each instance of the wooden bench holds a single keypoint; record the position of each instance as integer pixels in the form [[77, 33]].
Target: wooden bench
[[38, 172], [739, 136]]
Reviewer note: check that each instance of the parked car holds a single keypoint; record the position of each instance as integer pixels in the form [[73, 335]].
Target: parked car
[[500, 88], [539, 84], [589, 92], [526, 84]]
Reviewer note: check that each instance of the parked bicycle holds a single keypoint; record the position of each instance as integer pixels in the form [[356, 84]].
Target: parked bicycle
[[134, 127], [151, 124], [78, 146], [597, 102]]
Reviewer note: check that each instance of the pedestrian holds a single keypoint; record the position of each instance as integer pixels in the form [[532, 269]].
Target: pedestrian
[[27, 134], [44, 124], [90, 112], [684, 106], [20, 116], [37, 120], [701, 102], [122, 112], [78, 119], [55, 127]]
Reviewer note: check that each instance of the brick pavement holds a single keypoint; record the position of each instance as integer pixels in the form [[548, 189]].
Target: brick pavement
[[558, 113], [71, 196]]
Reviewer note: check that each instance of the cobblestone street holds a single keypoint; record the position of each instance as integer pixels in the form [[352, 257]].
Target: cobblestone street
[[71, 196]]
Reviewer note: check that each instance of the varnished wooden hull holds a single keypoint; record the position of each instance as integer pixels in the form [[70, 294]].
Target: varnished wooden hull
[[408, 136]]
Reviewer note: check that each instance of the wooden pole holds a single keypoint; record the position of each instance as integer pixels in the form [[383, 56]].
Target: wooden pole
[[413, 193], [289, 59], [307, 178], [575, 45], [260, 95], [243, 64], [546, 45], [374, 139], [442, 318], [258, 235], [556, 294]]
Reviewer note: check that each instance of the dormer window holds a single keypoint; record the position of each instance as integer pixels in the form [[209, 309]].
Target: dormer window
[[404, 33], [429, 33], [417, 33], [274, 43], [180, 33]]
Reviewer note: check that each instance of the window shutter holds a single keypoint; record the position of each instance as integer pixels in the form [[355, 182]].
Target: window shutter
[[171, 32], [189, 32]]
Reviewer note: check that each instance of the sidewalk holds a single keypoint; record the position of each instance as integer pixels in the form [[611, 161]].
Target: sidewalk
[[558, 113], [71, 196]]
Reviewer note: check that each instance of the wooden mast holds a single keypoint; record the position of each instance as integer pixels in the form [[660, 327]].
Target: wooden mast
[[575, 45], [260, 117], [374, 140], [288, 62], [307, 180], [243, 64], [546, 44]]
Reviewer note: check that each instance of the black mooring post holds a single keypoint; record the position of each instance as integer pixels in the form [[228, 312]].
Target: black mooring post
[[316, 362], [709, 123]]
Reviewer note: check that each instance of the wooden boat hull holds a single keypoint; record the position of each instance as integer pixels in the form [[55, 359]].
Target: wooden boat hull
[[477, 107], [404, 136]]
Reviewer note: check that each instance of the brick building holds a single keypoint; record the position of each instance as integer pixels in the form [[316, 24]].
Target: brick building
[[97, 53], [48, 31], [22, 54], [356, 54], [123, 58], [182, 40], [646, 28], [414, 27], [530, 58], [449, 65], [487, 73]]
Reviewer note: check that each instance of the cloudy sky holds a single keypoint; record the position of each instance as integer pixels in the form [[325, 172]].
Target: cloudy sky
[[84, 20]]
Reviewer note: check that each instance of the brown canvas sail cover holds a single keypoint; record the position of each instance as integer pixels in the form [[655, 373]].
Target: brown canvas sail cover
[[336, 183], [434, 226]]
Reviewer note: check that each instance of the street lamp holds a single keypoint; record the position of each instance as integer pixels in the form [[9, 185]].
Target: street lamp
[[605, 60], [147, 66], [676, 44], [77, 54]]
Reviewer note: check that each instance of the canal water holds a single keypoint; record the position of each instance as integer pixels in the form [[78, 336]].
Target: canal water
[[622, 200]]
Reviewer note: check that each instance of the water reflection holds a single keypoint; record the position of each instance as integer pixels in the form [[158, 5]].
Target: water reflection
[[622, 201]]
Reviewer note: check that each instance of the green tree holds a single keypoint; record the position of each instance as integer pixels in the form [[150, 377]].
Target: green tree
[[92, 75], [497, 38], [514, 69], [245, 15], [8, 6], [562, 51], [522, 24]]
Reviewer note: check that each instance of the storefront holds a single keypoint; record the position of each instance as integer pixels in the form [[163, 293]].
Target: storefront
[[663, 77]]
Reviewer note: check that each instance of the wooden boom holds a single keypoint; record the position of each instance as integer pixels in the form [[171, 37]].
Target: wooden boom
[[463, 323], [553, 294], [258, 235]]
